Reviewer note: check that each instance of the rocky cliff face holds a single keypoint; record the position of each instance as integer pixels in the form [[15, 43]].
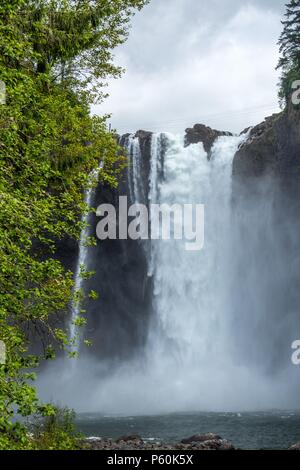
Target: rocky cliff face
[[266, 211], [273, 148], [204, 134], [118, 320]]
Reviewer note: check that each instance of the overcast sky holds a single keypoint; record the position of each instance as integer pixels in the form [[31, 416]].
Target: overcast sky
[[189, 61]]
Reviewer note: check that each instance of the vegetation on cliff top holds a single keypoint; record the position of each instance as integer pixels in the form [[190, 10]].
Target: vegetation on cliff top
[[289, 43], [55, 56]]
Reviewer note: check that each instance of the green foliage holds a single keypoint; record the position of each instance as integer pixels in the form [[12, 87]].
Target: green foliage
[[52, 55], [55, 432], [289, 43]]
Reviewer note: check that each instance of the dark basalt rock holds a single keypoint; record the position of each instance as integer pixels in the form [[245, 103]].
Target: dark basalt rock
[[205, 442], [130, 438], [208, 441], [295, 446], [117, 321], [201, 438], [273, 147], [204, 134], [258, 154], [245, 131]]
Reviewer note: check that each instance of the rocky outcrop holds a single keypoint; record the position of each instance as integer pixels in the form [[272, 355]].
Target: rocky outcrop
[[195, 443], [273, 147], [208, 441], [206, 135], [295, 446]]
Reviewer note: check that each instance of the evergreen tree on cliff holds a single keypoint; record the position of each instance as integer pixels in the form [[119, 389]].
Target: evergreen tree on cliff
[[289, 43]]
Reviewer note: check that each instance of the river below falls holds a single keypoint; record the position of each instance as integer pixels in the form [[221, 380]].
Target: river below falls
[[255, 430]]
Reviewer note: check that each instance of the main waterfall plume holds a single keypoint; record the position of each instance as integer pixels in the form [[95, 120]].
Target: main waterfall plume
[[189, 288], [204, 345]]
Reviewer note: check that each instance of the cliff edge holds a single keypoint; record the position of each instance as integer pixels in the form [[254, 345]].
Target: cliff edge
[[273, 147]]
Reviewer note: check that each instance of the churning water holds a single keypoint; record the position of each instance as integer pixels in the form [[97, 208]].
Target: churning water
[[256, 430]]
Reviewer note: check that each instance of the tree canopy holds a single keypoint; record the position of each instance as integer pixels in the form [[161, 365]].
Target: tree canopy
[[55, 57], [289, 43]]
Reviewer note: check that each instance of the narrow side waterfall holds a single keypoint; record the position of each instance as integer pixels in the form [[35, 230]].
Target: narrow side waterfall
[[136, 189], [82, 261], [156, 167], [155, 179]]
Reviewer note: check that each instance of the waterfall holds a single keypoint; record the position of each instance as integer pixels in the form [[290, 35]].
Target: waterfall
[[136, 190], [155, 178], [188, 362], [156, 166], [82, 260], [189, 286], [222, 319]]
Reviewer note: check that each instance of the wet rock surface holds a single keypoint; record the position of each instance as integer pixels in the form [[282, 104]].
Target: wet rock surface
[[206, 135], [295, 446], [272, 147], [198, 442]]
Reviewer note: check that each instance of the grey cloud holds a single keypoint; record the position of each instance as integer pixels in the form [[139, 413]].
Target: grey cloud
[[188, 61]]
